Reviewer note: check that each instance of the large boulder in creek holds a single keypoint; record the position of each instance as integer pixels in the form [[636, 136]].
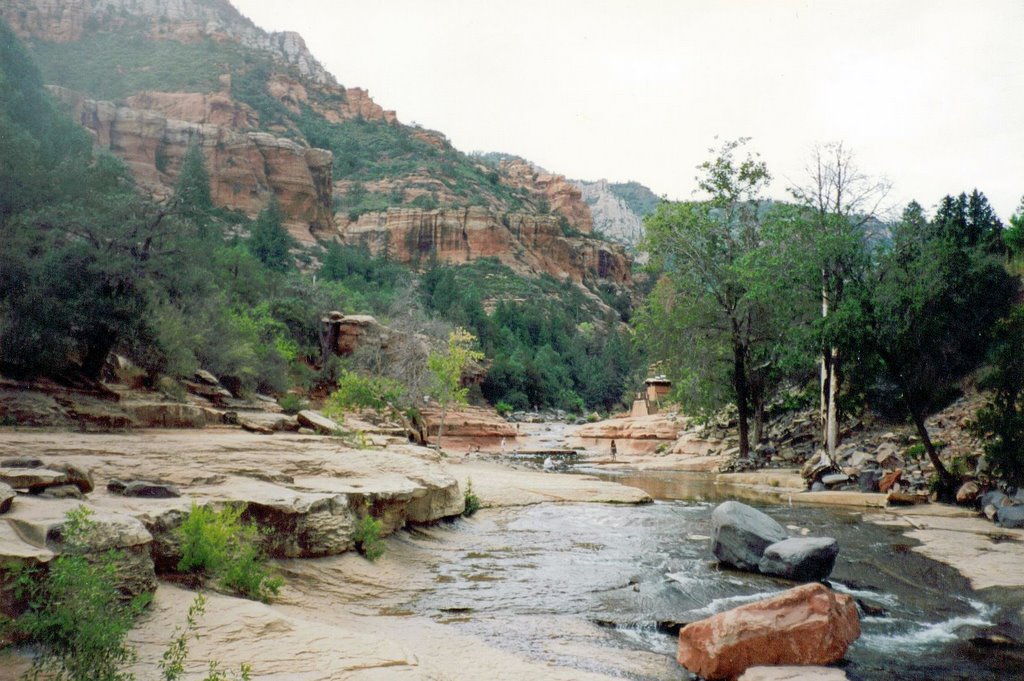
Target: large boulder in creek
[[741, 534], [802, 559], [806, 625]]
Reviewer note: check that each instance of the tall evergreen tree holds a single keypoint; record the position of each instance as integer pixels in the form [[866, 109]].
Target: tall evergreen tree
[[269, 241]]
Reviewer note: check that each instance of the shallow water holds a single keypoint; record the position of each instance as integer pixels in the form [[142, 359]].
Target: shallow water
[[586, 585]]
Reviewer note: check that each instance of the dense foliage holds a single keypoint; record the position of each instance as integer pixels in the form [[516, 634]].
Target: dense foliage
[[900, 312]]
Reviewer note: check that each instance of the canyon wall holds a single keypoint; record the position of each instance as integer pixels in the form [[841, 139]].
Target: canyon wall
[[527, 243], [246, 167]]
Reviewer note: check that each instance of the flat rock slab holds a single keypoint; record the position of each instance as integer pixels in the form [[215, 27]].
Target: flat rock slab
[[317, 422], [144, 489], [32, 479]]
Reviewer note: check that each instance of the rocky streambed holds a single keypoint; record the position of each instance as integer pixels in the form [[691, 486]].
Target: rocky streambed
[[527, 588]]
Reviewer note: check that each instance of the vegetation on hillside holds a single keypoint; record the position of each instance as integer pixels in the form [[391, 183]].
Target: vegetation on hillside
[[92, 266], [909, 309]]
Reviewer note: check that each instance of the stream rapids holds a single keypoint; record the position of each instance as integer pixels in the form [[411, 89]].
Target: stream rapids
[[597, 587]]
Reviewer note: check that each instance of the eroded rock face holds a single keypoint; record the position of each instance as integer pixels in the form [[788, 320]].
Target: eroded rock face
[[246, 167], [7, 495], [527, 243], [807, 625], [562, 196], [741, 534]]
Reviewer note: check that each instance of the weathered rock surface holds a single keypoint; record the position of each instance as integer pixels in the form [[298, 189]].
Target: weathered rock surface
[[7, 495], [562, 196], [741, 534], [35, 530], [467, 422], [527, 243], [165, 414], [793, 673], [612, 216], [32, 479], [806, 625], [246, 167], [804, 559]]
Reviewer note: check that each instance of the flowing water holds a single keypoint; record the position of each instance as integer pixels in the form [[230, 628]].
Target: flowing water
[[596, 587]]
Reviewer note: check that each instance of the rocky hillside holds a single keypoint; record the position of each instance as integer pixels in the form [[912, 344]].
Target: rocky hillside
[[618, 209], [149, 78]]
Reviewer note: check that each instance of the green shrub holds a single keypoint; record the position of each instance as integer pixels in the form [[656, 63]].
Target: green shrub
[[367, 538], [356, 391], [75, 613], [292, 404], [503, 408], [472, 500], [217, 544]]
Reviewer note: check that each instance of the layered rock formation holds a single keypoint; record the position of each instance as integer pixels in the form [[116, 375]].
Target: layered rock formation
[[525, 242], [246, 167], [562, 196], [182, 20]]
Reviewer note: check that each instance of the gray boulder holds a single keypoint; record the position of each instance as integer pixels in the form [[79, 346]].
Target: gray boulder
[[146, 489], [803, 559], [741, 534], [1010, 516]]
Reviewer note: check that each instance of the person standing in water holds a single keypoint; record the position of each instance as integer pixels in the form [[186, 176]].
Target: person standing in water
[[614, 450]]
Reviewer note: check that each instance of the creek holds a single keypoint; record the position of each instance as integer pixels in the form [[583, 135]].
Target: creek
[[594, 587]]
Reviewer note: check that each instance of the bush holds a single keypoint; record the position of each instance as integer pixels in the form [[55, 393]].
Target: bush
[[503, 408], [472, 500], [217, 544], [76, 613], [367, 538], [356, 391], [292, 404]]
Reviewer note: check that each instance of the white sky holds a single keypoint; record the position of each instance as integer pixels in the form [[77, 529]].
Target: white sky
[[929, 93]]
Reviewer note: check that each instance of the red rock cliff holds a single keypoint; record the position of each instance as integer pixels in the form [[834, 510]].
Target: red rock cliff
[[526, 243], [245, 167]]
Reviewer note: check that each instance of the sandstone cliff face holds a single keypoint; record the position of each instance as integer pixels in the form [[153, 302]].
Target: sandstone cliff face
[[246, 168], [526, 243], [563, 197], [66, 20], [612, 217]]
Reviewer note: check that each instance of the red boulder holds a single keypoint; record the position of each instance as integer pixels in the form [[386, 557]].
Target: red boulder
[[807, 625]]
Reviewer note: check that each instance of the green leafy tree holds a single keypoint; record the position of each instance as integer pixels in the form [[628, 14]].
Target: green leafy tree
[[269, 241], [930, 308], [447, 368], [1013, 237], [707, 318], [842, 203], [1000, 423]]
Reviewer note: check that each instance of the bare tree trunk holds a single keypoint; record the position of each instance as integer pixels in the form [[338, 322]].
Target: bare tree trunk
[[948, 480], [742, 397], [758, 421], [832, 424]]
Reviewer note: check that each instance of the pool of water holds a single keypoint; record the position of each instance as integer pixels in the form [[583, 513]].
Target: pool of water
[[587, 585]]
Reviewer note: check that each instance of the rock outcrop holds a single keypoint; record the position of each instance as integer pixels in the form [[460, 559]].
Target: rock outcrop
[[806, 625], [181, 20], [741, 534], [527, 243], [802, 559], [612, 216], [562, 196], [246, 167]]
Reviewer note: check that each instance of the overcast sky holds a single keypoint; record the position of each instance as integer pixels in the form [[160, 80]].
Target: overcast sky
[[929, 94]]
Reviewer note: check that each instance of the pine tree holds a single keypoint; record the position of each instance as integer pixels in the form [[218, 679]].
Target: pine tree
[[270, 241]]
